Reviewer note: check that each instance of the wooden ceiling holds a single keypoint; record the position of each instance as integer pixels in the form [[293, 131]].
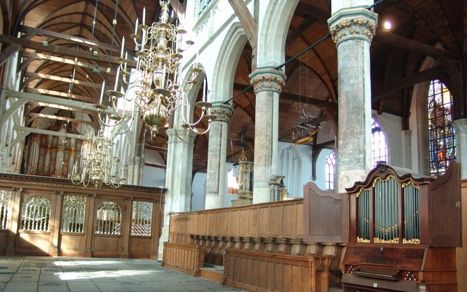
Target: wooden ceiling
[[60, 40]]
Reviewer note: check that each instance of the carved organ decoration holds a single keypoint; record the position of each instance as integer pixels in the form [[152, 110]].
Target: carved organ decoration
[[51, 155], [398, 238]]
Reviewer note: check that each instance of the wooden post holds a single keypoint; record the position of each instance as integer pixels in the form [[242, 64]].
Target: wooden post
[[14, 221], [56, 222], [89, 226], [126, 228], [156, 229]]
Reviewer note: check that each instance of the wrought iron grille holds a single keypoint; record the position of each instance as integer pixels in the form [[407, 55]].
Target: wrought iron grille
[[108, 219], [74, 208], [4, 199], [35, 214], [141, 219]]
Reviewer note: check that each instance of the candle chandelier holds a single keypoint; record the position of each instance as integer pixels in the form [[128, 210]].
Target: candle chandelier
[[98, 165], [154, 84]]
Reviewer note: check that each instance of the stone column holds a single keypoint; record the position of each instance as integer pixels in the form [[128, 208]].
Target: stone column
[[352, 30], [461, 145], [178, 178], [217, 153], [268, 83], [461, 154]]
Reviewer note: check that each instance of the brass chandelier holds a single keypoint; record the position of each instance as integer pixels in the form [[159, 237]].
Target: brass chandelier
[[154, 85], [98, 165]]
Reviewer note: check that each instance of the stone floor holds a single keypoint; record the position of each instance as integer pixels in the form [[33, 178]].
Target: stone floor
[[53, 274]]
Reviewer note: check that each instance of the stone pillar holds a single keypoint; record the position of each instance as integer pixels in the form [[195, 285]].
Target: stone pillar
[[217, 153], [352, 30], [268, 83], [178, 178], [461, 154], [461, 147]]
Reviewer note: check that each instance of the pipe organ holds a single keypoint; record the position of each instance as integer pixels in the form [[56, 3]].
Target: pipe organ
[[403, 232], [51, 156]]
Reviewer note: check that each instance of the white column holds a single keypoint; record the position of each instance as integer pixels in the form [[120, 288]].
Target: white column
[[217, 154], [178, 178], [268, 84], [352, 30], [461, 145]]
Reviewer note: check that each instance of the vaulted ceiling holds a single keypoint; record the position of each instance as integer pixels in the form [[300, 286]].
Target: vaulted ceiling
[[68, 47]]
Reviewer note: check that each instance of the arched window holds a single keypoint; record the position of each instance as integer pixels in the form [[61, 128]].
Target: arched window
[[35, 214], [73, 214], [441, 139], [330, 171], [108, 219], [141, 219], [4, 199], [378, 144]]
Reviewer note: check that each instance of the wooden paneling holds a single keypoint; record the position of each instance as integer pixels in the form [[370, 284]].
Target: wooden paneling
[[141, 247], [188, 258], [262, 271], [326, 215], [107, 246], [278, 219], [54, 242], [72, 244]]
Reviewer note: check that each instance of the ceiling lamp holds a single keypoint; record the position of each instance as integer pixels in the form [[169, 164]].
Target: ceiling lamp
[[98, 165], [154, 85]]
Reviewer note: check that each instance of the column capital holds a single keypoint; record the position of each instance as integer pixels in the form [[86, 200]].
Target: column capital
[[180, 135], [353, 24], [268, 79], [221, 111]]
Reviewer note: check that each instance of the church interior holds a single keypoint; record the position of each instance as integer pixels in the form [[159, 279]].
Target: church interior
[[268, 145]]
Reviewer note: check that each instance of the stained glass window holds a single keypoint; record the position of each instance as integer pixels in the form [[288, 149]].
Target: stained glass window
[[141, 219], [330, 171], [379, 145], [73, 214], [35, 214], [441, 139]]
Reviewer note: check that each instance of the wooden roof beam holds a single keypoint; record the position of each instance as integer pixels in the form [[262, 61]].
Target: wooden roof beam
[[62, 50], [422, 76], [59, 94], [74, 39], [408, 44], [248, 22], [33, 75]]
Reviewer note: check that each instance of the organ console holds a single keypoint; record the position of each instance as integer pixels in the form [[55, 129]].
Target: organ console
[[403, 231]]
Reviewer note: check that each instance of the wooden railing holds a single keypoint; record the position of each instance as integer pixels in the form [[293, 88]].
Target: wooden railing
[[262, 271], [270, 220], [184, 257]]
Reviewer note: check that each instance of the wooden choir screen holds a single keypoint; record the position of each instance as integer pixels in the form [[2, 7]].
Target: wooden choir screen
[[403, 232], [187, 258], [282, 219], [37, 219], [260, 271]]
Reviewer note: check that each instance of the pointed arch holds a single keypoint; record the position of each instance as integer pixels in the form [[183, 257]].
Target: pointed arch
[[272, 32], [227, 62]]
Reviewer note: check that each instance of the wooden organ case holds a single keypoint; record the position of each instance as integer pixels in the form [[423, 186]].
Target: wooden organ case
[[403, 232]]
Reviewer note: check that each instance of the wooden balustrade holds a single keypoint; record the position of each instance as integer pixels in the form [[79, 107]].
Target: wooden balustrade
[[270, 220], [184, 257], [263, 271]]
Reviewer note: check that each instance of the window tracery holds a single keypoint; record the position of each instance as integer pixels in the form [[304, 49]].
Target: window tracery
[[330, 171], [108, 219], [379, 145], [141, 219], [441, 138], [74, 208], [35, 214]]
